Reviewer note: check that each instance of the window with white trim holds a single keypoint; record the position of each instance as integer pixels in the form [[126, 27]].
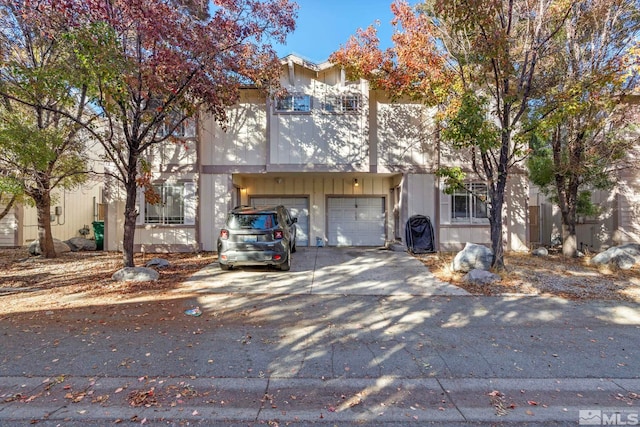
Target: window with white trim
[[470, 205], [177, 126], [293, 103], [171, 207], [343, 103]]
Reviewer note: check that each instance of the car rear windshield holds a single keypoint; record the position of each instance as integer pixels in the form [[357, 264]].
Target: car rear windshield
[[262, 221]]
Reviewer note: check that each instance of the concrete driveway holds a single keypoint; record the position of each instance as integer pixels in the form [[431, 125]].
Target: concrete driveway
[[329, 271]]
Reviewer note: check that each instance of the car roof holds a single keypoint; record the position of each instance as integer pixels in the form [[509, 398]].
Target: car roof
[[248, 210]]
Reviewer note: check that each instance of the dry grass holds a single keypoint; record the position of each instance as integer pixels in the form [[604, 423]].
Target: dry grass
[[552, 275]]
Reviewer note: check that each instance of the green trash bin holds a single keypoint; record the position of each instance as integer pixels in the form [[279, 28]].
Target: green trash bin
[[98, 232]]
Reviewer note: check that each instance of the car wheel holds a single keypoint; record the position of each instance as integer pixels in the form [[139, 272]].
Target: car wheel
[[225, 267], [286, 266]]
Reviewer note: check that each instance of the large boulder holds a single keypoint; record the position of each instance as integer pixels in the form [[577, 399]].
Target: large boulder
[[623, 256], [481, 277], [541, 252], [59, 246], [472, 257], [158, 263], [81, 244], [136, 274]]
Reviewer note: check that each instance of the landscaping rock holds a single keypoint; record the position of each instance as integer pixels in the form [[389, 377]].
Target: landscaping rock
[[481, 277], [540, 252], [472, 257], [81, 244], [136, 274], [396, 246], [158, 262], [59, 246], [623, 256]]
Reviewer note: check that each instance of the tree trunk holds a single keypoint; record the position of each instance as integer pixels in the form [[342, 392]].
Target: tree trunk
[[497, 191], [567, 186], [43, 207], [495, 221], [569, 214], [130, 216], [569, 240]]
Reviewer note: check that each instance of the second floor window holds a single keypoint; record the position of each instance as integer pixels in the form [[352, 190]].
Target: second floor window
[[344, 103], [293, 103], [470, 204], [170, 209], [173, 126]]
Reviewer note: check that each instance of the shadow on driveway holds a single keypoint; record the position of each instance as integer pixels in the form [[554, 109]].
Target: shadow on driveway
[[329, 271]]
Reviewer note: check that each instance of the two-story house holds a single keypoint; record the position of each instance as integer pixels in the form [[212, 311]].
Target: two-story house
[[352, 165]]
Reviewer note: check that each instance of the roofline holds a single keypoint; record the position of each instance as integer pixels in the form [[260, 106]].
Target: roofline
[[296, 59]]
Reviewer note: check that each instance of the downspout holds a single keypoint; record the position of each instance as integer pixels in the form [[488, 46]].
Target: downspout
[[436, 219]]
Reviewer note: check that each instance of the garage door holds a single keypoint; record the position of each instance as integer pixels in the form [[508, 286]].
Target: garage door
[[298, 207], [356, 221]]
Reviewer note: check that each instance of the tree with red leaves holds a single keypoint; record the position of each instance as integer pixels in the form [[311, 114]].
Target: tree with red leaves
[[150, 65]]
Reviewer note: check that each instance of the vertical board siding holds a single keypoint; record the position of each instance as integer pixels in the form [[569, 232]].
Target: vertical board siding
[[8, 230], [78, 211]]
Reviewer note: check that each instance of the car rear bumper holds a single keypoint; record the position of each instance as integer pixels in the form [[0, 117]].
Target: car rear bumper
[[252, 257]]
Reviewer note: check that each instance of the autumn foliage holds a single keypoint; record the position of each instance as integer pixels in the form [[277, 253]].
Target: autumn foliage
[[413, 67], [151, 65]]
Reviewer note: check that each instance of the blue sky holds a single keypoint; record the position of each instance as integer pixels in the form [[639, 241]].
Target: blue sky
[[324, 25]]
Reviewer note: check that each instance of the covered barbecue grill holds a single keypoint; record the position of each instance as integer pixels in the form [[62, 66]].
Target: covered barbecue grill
[[419, 235]]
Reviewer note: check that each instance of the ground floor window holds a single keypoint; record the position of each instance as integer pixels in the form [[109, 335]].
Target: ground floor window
[[170, 208], [470, 204]]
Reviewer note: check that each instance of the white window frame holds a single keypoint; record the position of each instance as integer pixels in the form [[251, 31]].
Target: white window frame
[[342, 103], [186, 129], [296, 103], [472, 199], [164, 218]]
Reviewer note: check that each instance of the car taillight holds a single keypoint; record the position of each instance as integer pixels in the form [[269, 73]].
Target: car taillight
[[278, 234], [224, 234]]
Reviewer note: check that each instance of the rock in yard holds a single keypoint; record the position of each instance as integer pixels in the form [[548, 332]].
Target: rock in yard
[[471, 257], [158, 262], [81, 244], [136, 274], [396, 246], [540, 252], [624, 256], [59, 246], [481, 277]]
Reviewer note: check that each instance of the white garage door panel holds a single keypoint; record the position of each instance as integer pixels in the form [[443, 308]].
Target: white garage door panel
[[354, 221], [298, 207]]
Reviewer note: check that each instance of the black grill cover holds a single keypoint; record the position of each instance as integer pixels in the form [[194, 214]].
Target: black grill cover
[[419, 235]]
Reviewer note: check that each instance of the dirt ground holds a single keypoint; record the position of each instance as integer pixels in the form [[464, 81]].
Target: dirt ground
[[552, 275], [30, 283]]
